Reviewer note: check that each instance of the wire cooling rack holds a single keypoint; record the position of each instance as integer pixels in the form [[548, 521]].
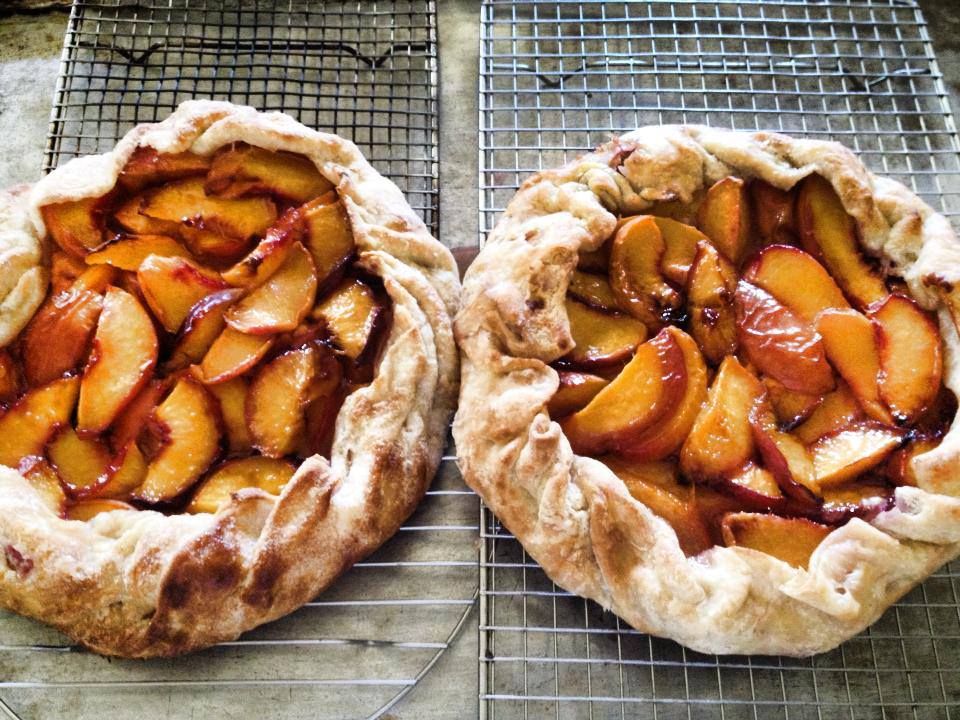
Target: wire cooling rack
[[557, 78], [366, 70]]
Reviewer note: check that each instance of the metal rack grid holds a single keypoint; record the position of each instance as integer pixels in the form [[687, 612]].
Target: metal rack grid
[[368, 71], [557, 78]]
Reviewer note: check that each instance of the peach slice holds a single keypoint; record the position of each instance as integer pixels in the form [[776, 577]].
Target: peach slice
[[601, 339], [858, 499], [593, 290], [128, 253], [755, 486], [773, 213], [232, 354], [29, 423], [123, 356], [9, 377], [352, 314], [130, 217], [124, 474], [188, 423], [45, 481], [76, 225], [85, 510], [594, 261], [232, 396], [790, 407], [79, 461], [57, 339], [846, 453], [64, 270], [791, 540], [779, 343], [911, 364], [326, 395], [329, 238], [575, 391], [202, 327], [244, 170], [785, 457], [796, 280], [146, 166], [96, 278], [837, 410], [640, 287], [679, 248], [133, 418], [851, 343], [830, 234], [267, 474], [645, 392], [721, 440], [282, 301], [724, 217], [172, 286], [657, 486], [711, 285], [267, 257], [900, 465]]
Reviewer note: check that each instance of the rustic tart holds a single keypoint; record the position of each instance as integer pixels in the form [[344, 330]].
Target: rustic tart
[[226, 371], [708, 382]]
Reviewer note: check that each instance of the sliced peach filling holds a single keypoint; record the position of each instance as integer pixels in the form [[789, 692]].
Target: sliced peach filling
[[784, 389], [204, 325]]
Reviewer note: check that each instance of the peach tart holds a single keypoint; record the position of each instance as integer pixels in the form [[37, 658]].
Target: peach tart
[[226, 370], [707, 383]]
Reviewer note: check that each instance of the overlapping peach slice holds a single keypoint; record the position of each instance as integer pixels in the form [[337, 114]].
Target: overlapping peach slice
[[134, 416], [779, 343], [80, 462], [172, 286], [851, 451], [787, 459], [862, 499], [123, 355], [636, 253], [790, 406], [830, 235], [202, 326], [721, 441], [267, 474], [44, 479], [911, 363], [796, 280], [77, 226], [282, 301], [725, 218], [10, 380], [32, 420], [657, 485], [85, 510], [329, 238], [64, 270], [232, 396], [243, 170], [232, 354], [711, 286], [188, 425], [125, 472], [899, 468], [266, 258], [773, 213], [837, 410], [680, 243], [129, 252], [576, 389], [593, 290], [130, 218], [792, 540], [601, 339], [327, 394], [754, 486], [353, 316], [146, 166], [594, 261]]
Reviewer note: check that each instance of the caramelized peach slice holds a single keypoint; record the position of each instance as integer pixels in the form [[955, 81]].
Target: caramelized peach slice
[[146, 166], [232, 354], [754, 486], [830, 234], [837, 410], [202, 327], [851, 343], [712, 283], [790, 407], [594, 261], [267, 474], [911, 361], [796, 280], [784, 456], [267, 257], [791, 540], [724, 217], [57, 339], [352, 314], [133, 418], [172, 286], [188, 422], [721, 440], [76, 225], [846, 453], [656, 485], [282, 301], [45, 481], [856, 499], [244, 170], [128, 253], [640, 287], [123, 356], [96, 278], [773, 213], [125, 472], [326, 395], [79, 461], [329, 238], [85, 510], [9, 376], [64, 270], [900, 465], [593, 290], [601, 339], [575, 391], [29, 423], [130, 217], [679, 248], [232, 396], [779, 343]]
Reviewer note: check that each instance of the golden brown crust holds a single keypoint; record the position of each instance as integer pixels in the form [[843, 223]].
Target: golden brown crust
[[142, 584], [572, 513]]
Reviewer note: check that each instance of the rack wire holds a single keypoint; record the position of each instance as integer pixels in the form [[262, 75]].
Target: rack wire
[[368, 71], [558, 78]]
